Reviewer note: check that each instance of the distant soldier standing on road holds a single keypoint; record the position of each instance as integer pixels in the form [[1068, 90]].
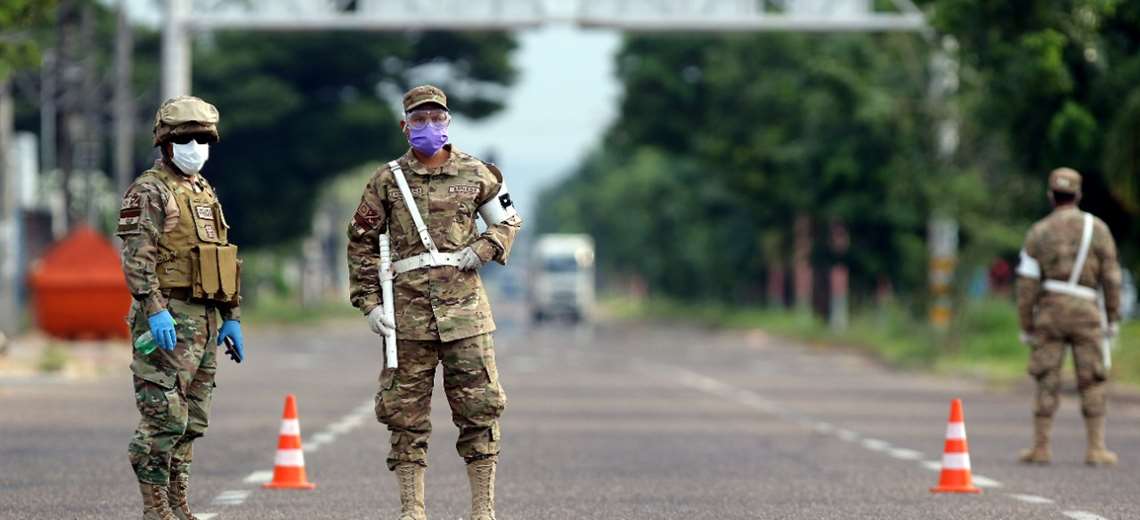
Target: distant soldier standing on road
[[183, 272], [1068, 257], [442, 312]]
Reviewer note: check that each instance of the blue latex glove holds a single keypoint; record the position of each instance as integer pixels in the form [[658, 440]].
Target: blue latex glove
[[232, 329], [162, 328]]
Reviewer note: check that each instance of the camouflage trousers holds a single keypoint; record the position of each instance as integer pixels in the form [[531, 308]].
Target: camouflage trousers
[[1048, 356], [173, 391], [471, 382]]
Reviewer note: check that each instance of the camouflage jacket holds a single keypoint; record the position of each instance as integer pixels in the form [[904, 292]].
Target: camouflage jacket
[[148, 210], [438, 303], [1052, 244]]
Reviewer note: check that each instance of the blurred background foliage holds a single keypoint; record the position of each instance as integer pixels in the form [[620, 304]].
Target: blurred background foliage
[[721, 141]]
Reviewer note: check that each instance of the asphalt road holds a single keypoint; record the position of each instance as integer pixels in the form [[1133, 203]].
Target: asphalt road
[[623, 422]]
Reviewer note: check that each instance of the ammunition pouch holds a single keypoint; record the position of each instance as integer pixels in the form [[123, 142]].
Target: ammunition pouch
[[217, 273]]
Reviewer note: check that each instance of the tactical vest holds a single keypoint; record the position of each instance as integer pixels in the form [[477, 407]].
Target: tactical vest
[[196, 253]]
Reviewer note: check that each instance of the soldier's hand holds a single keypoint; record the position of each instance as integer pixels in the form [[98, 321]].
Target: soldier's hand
[[470, 260], [380, 324], [231, 330], [162, 329]]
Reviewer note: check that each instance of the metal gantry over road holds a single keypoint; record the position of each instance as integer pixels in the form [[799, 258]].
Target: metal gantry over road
[[183, 18]]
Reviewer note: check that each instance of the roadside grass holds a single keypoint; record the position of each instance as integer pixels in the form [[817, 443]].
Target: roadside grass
[[983, 342], [53, 359], [276, 310]]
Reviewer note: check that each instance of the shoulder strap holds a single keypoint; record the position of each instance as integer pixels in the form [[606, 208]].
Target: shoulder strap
[[1083, 252], [410, 202]]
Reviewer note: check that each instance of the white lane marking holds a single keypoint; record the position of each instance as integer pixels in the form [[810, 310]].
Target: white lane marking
[[876, 444], [824, 428], [259, 477], [1083, 515], [232, 497], [904, 454], [324, 438], [718, 388], [1031, 499], [985, 482], [206, 516]]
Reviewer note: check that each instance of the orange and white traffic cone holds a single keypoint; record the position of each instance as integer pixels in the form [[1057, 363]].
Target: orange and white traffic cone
[[289, 466], [956, 477]]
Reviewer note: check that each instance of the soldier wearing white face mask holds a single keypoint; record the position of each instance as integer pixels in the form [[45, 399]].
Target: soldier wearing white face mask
[[183, 273]]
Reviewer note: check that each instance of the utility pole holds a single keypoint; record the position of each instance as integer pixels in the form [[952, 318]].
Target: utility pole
[[49, 72], [942, 229], [67, 28], [123, 100], [175, 49], [91, 114], [9, 251]]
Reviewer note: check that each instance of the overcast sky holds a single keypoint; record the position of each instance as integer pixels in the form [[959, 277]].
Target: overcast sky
[[565, 98]]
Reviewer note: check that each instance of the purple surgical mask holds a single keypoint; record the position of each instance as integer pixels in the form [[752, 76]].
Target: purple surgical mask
[[428, 140]]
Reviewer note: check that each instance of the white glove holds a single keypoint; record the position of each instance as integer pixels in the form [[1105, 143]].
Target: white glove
[[1113, 331], [1025, 338], [470, 261], [379, 323]]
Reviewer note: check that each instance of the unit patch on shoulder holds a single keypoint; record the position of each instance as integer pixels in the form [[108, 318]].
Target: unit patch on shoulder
[[129, 214], [366, 217], [129, 220], [204, 212], [131, 200]]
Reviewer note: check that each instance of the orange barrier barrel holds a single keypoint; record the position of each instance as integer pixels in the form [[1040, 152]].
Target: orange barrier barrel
[[79, 288]]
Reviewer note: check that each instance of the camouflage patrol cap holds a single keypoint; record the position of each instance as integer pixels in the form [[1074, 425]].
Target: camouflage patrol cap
[[1065, 180], [424, 94], [185, 115]]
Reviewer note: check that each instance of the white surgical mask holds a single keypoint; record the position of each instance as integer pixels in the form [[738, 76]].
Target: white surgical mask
[[190, 157]]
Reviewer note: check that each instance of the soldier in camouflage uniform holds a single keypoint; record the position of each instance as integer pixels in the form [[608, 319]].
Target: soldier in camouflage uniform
[[442, 312], [1057, 306], [182, 271]]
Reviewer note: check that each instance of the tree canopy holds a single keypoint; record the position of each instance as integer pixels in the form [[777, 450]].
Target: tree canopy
[[298, 109], [722, 141]]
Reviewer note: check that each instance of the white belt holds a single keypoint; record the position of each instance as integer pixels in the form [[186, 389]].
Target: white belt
[[424, 260], [1071, 289]]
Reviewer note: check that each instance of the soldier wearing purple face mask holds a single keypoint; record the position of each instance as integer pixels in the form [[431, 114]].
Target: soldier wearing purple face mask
[[427, 202]]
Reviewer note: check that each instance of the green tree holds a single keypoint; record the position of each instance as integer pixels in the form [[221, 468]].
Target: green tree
[[298, 109], [1053, 83], [21, 22], [751, 131]]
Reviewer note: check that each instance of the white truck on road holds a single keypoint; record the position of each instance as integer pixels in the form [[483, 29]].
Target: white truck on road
[[562, 278]]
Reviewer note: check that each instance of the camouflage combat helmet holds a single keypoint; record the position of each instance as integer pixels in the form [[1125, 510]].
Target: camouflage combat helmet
[[185, 115]]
